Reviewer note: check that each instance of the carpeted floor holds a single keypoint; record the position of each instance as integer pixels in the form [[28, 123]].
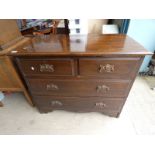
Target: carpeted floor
[[150, 81], [137, 117]]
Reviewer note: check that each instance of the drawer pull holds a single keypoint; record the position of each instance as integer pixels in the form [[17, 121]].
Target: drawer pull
[[56, 103], [32, 68], [52, 87], [102, 88], [46, 68], [100, 104], [107, 68]]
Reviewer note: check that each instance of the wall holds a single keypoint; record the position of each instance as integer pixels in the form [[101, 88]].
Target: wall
[[143, 31], [95, 25], [118, 22]]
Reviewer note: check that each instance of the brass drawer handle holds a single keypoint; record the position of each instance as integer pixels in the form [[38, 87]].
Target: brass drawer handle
[[46, 68], [100, 104], [52, 87], [32, 68], [107, 68], [56, 103], [102, 88]]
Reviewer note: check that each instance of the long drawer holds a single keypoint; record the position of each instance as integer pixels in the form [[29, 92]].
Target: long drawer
[[46, 66], [107, 105], [106, 88], [111, 68]]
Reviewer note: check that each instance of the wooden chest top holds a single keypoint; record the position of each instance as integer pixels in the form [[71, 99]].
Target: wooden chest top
[[82, 45]]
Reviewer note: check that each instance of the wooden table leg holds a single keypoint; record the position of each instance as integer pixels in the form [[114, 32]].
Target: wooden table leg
[[1, 104]]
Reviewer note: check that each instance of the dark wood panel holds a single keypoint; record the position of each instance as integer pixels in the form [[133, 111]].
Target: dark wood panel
[[106, 88], [113, 68], [48, 67], [85, 104]]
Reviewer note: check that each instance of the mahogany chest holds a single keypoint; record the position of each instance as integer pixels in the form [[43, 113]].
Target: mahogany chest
[[82, 73]]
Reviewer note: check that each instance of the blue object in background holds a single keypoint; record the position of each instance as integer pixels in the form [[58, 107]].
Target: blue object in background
[[124, 26], [1, 96], [143, 31]]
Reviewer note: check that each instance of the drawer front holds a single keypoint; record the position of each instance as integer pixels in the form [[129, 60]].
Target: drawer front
[[113, 68], [48, 103], [48, 67], [106, 88]]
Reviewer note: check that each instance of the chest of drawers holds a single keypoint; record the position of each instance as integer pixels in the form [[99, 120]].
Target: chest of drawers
[[80, 73]]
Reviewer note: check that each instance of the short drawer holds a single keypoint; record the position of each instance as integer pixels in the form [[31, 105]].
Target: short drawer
[[48, 67], [113, 68], [85, 104], [106, 88]]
